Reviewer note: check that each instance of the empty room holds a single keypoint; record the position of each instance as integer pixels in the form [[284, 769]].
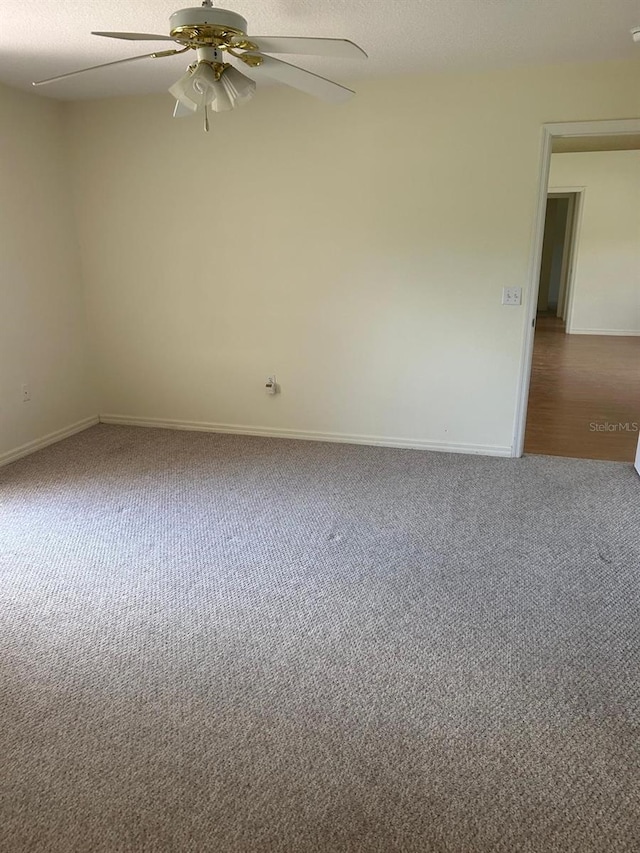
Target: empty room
[[300, 546]]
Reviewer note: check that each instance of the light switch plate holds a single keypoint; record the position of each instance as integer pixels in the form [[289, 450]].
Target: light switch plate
[[512, 296]]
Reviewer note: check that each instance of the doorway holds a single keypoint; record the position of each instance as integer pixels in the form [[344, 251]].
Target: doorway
[[557, 256], [580, 388]]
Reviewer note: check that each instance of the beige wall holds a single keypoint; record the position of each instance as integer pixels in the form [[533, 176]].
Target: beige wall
[[357, 252], [42, 316], [606, 289]]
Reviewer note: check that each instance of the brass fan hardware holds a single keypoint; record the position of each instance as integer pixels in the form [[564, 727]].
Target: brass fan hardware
[[210, 83], [203, 35], [250, 59]]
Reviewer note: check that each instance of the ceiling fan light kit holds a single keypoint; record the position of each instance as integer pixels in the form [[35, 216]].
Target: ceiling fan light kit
[[212, 84]]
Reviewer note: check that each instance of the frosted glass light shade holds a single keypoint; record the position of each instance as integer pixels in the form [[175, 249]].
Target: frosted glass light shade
[[182, 90], [199, 88], [239, 87]]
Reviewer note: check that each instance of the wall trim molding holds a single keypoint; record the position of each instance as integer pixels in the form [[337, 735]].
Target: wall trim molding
[[623, 333], [46, 440], [334, 437]]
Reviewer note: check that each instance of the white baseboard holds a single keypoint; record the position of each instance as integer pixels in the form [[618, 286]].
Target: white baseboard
[[336, 437], [46, 440], [622, 333]]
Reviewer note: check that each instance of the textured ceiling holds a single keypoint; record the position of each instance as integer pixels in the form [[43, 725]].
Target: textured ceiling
[[48, 38]]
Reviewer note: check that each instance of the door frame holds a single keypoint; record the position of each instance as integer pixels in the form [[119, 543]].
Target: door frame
[[568, 253], [551, 131]]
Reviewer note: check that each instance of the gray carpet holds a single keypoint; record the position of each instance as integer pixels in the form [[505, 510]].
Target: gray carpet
[[218, 643]]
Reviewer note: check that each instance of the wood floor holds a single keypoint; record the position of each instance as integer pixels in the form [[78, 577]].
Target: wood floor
[[585, 390]]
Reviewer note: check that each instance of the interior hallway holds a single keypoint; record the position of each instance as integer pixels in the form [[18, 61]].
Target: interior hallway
[[583, 387]]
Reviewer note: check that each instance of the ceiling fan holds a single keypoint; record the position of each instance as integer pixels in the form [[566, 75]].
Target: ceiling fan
[[210, 83]]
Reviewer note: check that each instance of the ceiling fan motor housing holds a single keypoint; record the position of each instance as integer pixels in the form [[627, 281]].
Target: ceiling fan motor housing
[[204, 24]]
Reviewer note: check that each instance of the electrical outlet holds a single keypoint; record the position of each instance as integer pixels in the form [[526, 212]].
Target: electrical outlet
[[271, 385], [512, 296], [26, 394]]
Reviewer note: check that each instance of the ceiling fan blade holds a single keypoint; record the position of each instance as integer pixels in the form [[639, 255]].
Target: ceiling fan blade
[[156, 55], [338, 48], [299, 78], [134, 36]]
